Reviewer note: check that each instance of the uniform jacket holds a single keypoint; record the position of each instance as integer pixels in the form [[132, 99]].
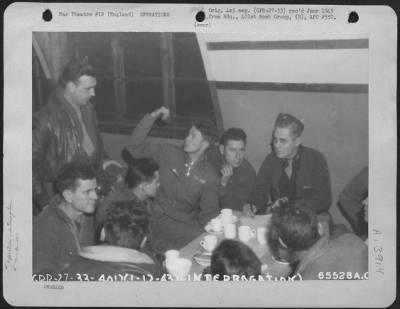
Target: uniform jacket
[[56, 140], [313, 186], [188, 195], [55, 241], [335, 257], [351, 202], [235, 194]]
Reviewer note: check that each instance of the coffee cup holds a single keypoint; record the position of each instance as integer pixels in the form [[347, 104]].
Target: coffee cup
[[209, 242], [171, 255], [261, 235], [230, 230], [226, 215], [216, 225], [246, 233], [179, 268]]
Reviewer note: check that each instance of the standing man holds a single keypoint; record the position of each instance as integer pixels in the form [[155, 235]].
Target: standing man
[[292, 171], [188, 195], [238, 177], [56, 228], [65, 130]]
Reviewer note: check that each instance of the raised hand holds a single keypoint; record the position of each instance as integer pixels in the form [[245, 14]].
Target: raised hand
[[162, 111], [227, 172], [249, 210]]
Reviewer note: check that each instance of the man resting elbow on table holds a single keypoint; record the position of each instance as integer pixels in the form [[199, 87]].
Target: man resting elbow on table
[[188, 195], [237, 174], [291, 172]]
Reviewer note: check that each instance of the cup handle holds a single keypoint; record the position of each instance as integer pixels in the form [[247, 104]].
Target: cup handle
[[253, 233], [202, 243]]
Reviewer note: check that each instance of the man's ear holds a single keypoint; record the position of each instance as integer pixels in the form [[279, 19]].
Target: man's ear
[[102, 234], [67, 195], [206, 144], [298, 141], [320, 229], [70, 86], [221, 149]]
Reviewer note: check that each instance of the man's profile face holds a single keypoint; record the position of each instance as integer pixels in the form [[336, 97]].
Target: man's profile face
[[233, 152], [83, 89], [285, 143], [194, 141], [84, 197]]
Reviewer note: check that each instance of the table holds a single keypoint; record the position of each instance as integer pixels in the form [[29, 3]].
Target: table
[[275, 269]]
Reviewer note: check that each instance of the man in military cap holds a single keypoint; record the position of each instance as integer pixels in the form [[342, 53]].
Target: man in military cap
[[291, 171]]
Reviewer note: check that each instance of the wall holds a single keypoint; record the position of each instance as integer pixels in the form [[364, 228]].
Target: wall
[[318, 77], [322, 81], [335, 123], [114, 143]]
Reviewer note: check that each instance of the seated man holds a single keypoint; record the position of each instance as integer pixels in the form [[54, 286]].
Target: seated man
[[56, 228], [142, 180], [126, 227], [188, 194], [352, 203], [292, 171], [232, 259], [295, 235], [238, 176]]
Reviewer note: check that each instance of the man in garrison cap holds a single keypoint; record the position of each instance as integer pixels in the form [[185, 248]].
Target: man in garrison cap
[[188, 195], [291, 171]]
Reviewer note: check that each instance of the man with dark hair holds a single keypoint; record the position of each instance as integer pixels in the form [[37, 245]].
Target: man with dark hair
[[238, 177], [292, 171], [65, 130], [296, 236], [234, 258], [188, 194], [142, 180], [126, 228], [56, 228]]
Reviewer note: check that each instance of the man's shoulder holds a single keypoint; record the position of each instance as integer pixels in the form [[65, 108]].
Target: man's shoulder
[[312, 152], [50, 112], [208, 171], [214, 157], [270, 161], [211, 170], [48, 220], [350, 240], [247, 168]]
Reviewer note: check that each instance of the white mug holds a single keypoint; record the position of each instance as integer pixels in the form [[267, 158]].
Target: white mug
[[171, 255], [179, 268], [226, 215], [246, 233], [261, 235], [209, 242], [230, 230], [216, 225]]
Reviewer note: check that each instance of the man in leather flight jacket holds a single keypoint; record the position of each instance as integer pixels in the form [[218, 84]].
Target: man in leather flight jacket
[[66, 130]]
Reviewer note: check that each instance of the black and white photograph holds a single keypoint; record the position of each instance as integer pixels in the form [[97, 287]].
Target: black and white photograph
[[208, 159]]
